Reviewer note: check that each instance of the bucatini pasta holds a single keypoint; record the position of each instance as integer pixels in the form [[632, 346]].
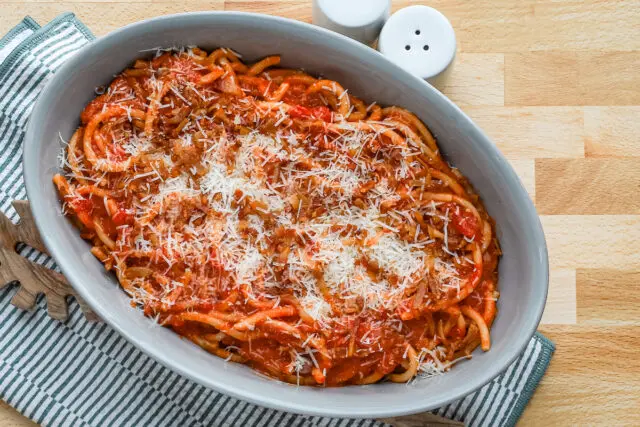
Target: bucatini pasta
[[275, 219]]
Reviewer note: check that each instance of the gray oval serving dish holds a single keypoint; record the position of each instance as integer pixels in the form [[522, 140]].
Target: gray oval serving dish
[[523, 271]]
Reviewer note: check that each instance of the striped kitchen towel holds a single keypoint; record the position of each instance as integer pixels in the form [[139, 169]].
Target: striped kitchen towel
[[81, 373]]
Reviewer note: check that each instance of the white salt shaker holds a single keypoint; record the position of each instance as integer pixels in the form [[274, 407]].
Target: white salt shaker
[[361, 20], [421, 40]]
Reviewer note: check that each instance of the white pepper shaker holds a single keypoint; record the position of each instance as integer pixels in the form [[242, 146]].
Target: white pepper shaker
[[421, 40], [361, 20]]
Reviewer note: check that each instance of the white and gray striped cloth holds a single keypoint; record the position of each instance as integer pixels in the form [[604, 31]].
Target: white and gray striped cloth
[[81, 373]]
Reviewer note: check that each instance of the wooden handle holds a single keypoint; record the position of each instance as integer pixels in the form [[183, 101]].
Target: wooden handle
[[33, 279], [426, 419]]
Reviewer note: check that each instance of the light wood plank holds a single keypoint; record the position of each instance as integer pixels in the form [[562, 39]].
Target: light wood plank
[[529, 132], [612, 131], [9, 417], [588, 186], [476, 79], [529, 25], [526, 171], [31, 2], [299, 10], [541, 78], [582, 25], [482, 25], [593, 378], [561, 300], [490, 25], [572, 78], [101, 18], [608, 297], [593, 241], [609, 78]]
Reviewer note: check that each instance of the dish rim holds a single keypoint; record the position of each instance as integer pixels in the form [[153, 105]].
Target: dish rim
[[69, 267]]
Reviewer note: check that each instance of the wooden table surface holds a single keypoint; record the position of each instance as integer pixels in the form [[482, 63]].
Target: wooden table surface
[[556, 84]]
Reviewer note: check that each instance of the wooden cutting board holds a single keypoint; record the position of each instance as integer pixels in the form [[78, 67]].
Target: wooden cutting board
[[556, 84], [32, 279]]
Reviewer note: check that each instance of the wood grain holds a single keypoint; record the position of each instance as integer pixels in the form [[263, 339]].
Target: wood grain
[[533, 132], [609, 78], [612, 131], [593, 379], [300, 10], [588, 186], [593, 241], [608, 297], [526, 171], [33, 279], [101, 17], [572, 78], [556, 84], [476, 79], [9, 417], [581, 25], [541, 78], [561, 300], [422, 420], [540, 25]]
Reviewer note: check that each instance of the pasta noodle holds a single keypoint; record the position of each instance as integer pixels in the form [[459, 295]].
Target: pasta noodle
[[275, 219]]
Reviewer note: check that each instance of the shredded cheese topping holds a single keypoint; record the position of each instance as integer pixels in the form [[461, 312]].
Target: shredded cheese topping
[[239, 204]]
